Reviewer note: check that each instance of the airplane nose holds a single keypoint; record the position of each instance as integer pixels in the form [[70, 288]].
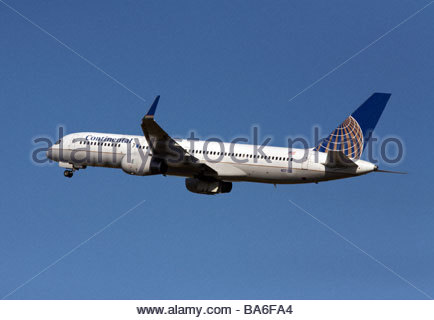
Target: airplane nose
[[49, 153]]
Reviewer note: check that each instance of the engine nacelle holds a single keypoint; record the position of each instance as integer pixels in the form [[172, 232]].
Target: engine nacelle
[[143, 165], [207, 187]]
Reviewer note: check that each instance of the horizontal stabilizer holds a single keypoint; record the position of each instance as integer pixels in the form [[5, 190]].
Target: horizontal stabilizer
[[338, 159]]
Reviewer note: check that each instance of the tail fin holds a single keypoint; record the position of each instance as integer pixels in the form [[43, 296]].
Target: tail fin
[[354, 133]]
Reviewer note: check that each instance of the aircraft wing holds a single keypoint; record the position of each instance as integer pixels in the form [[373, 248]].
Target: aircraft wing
[[338, 159], [163, 146]]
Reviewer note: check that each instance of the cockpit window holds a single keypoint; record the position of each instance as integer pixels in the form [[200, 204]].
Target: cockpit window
[[58, 141]]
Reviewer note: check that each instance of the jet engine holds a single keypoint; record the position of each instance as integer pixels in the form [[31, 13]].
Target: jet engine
[[207, 187], [143, 165]]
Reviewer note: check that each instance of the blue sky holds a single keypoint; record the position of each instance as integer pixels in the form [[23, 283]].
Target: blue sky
[[220, 68]]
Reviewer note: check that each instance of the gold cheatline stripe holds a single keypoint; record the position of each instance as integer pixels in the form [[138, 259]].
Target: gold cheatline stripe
[[347, 136], [352, 140], [335, 147]]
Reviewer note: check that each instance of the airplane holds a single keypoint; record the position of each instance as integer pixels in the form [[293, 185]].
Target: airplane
[[210, 167]]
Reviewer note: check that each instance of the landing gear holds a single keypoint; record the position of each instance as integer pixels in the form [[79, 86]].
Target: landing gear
[[70, 168], [68, 173]]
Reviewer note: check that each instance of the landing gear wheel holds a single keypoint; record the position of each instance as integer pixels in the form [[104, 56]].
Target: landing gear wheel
[[68, 173]]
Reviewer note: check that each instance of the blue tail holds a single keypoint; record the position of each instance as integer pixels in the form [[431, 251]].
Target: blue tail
[[354, 133]]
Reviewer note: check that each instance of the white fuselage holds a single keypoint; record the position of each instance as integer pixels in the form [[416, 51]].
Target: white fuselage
[[232, 162]]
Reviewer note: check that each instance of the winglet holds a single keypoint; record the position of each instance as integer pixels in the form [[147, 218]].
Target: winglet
[[151, 112]]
